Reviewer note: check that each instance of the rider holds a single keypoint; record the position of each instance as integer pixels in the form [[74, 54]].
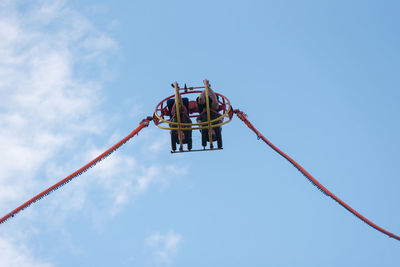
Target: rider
[[183, 112], [212, 100]]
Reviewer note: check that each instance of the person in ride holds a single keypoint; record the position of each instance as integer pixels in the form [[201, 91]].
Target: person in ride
[[202, 106], [212, 97], [183, 114]]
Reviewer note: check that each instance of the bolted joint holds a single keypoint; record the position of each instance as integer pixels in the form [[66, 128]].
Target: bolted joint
[[147, 121]]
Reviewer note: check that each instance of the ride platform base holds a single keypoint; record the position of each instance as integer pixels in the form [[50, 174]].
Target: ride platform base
[[195, 150]]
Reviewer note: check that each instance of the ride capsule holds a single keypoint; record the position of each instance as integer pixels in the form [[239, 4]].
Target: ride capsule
[[209, 110]]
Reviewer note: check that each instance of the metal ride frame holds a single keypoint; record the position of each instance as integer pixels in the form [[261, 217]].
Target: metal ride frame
[[179, 126], [227, 112]]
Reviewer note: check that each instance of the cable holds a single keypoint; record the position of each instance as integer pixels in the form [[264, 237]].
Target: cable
[[243, 117], [105, 154]]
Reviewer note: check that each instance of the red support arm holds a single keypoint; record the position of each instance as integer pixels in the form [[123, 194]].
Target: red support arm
[[143, 123], [243, 117]]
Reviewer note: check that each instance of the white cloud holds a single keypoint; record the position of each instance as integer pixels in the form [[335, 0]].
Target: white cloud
[[13, 255], [44, 105], [50, 112], [163, 247], [123, 178], [160, 144]]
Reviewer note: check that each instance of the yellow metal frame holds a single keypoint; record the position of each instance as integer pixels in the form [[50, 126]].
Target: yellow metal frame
[[198, 125], [178, 114], [208, 114]]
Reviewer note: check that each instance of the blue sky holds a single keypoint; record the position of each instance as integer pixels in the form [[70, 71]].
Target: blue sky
[[318, 78]]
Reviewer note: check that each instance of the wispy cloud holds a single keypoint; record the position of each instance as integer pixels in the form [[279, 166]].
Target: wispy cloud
[[45, 105], [17, 255], [50, 114], [163, 247]]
